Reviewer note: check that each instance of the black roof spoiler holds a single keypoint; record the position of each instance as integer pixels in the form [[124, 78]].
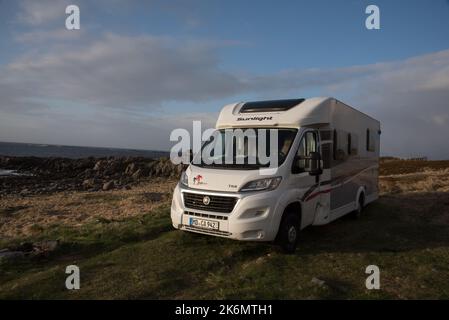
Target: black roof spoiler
[[270, 105]]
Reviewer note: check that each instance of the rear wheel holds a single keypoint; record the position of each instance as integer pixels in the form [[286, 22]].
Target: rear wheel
[[356, 214], [289, 232]]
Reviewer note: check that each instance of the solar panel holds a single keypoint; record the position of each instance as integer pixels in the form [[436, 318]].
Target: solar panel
[[270, 105]]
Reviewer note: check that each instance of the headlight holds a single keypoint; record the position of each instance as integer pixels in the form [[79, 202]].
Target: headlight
[[184, 179], [262, 184]]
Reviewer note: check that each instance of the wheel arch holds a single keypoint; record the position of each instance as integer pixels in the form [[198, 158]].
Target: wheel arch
[[361, 192], [295, 207]]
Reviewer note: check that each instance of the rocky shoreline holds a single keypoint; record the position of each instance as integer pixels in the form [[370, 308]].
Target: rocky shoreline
[[48, 175]]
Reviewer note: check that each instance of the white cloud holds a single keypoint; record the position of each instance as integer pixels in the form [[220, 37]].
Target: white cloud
[[36, 13], [119, 71], [100, 127], [43, 36], [132, 75], [440, 120]]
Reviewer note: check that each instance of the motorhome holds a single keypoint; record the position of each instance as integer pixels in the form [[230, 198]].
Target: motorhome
[[328, 166]]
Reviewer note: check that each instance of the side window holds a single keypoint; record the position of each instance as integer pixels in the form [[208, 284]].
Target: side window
[[326, 147], [344, 145], [340, 146], [335, 145], [311, 142], [369, 141], [302, 152], [354, 144], [349, 143], [307, 145]]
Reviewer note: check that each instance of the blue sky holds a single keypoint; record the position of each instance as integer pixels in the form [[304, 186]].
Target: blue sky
[[273, 35], [138, 69]]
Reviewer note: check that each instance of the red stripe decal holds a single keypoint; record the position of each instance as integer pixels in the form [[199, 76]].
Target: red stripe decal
[[313, 195]]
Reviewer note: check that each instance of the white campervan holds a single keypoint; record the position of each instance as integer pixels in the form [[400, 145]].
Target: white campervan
[[327, 167]]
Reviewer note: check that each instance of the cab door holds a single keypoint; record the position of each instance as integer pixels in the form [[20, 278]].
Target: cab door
[[307, 186]]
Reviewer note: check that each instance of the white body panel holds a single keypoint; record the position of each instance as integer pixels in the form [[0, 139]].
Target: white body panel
[[347, 172]]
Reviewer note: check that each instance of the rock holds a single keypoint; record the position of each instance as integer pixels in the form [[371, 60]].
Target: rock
[[49, 175], [6, 255], [45, 246], [318, 282], [130, 169], [138, 174], [86, 173], [260, 260], [108, 186], [99, 165], [24, 247], [84, 164], [88, 183]]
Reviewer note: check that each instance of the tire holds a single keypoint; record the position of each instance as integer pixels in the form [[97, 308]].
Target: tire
[[357, 213], [289, 232]]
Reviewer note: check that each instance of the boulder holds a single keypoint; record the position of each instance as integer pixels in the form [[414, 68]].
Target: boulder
[[6, 255], [45, 246], [108, 186], [88, 183], [99, 165], [130, 169], [138, 174], [318, 282]]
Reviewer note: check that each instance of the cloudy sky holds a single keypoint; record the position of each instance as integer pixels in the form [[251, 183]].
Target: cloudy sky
[[138, 69]]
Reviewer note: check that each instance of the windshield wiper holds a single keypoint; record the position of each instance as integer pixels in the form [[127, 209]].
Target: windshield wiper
[[233, 165]]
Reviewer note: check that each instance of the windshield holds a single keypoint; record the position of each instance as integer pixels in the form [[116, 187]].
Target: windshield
[[246, 148]]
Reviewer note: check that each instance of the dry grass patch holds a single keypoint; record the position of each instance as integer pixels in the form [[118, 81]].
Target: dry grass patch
[[427, 180], [25, 216]]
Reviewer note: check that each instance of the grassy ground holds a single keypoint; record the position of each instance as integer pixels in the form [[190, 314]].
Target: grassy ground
[[397, 166], [140, 256]]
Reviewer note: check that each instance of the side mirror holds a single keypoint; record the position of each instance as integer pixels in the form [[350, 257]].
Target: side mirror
[[315, 164]]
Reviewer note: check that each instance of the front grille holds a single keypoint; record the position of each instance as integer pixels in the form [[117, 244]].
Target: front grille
[[206, 215], [216, 204], [213, 232]]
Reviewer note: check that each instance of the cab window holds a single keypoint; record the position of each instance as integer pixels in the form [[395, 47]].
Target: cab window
[[307, 145]]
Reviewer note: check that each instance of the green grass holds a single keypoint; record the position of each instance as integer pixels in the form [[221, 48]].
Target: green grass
[[144, 258]]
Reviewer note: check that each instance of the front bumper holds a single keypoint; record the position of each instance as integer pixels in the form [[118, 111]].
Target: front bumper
[[253, 217]]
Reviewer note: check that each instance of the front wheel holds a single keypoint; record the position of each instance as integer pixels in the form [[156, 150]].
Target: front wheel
[[289, 232]]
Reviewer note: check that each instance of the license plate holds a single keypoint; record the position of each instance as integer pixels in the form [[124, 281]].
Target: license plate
[[205, 224]]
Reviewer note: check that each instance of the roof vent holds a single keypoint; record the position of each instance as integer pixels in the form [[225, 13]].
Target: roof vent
[[269, 106]]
